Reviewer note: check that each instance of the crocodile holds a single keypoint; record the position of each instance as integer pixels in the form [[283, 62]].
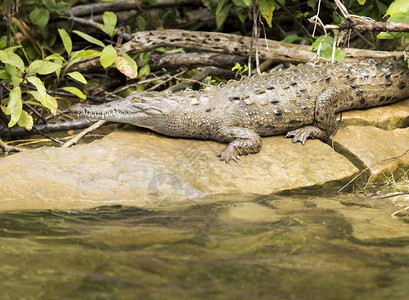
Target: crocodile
[[301, 102]]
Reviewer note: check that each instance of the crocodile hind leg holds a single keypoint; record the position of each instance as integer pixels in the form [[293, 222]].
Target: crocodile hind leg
[[325, 120], [242, 141]]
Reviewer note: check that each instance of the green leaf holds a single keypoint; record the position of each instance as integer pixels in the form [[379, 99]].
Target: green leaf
[[144, 57], [221, 17], [66, 40], [40, 17], [108, 56], [8, 57], [291, 38], [361, 2], [171, 51], [3, 42], [49, 4], [15, 106], [34, 80], [77, 76], [398, 6], [103, 28], [82, 54], [237, 66], [75, 91], [110, 21], [219, 7], [89, 38], [243, 15], [144, 70], [266, 9], [15, 75], [25, 120], [339, 55], [4, 75], [42, 67], [327, 48], [89, 53], [242, 3], [54, 56], [61, 7], [48, 101], [399, 17]]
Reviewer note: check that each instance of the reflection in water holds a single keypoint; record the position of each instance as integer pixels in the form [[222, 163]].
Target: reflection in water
[[343, 247]]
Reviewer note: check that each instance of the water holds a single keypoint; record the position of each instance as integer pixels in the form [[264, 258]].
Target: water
[[276, 247]]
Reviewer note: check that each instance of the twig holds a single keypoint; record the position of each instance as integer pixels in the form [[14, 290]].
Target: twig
[[46, 135], [17, 132], [390, 195], [125, 36], [197, 78], [371, 166], [399, 211], [80, 135], [171, 77], [6, 148]]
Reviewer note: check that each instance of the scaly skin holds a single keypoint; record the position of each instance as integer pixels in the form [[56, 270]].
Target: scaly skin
[[301, 101]]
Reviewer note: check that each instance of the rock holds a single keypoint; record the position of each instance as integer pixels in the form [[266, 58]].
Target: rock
[[375, 226], [383, 152], [138, 167], [386, 117], [251, 212]]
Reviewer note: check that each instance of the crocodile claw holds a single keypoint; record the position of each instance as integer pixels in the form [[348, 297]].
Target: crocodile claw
[[227, 156], [298, 136], [303, 133]]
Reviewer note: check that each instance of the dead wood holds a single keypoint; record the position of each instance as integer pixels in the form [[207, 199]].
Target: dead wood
[[224, 43], [99, 8], [192, 60], [19, 132], [376, 26]]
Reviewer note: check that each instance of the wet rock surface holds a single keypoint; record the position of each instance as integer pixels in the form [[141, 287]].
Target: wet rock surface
[[134, 166]]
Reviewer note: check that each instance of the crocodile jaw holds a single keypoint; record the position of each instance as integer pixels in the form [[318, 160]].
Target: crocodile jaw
[[123, 111]]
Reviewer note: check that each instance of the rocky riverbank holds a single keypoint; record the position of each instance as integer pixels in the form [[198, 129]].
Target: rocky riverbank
[[138, 167]]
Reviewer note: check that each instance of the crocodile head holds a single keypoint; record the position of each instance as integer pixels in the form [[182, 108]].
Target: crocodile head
[[141, 109]]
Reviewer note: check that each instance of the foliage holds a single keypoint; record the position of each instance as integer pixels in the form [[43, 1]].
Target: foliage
[[26, 77], [222, 9], [398, 11], [36, 63], [324, 45], [241, 69]]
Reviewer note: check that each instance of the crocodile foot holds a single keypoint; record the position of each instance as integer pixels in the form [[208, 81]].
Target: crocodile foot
[[228, 155], [301, 134]]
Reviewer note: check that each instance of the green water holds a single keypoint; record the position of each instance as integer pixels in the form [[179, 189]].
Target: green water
[[279, 247]]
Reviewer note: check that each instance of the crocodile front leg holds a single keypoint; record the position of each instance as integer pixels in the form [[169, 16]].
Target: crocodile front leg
[[324, 117], [243, 141]]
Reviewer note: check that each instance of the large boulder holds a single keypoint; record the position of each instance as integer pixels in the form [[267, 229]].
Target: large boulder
[[138, 167]]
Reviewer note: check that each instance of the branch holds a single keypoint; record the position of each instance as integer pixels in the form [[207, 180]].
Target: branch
[[99, 8], [17, 132], [208, 71], [215, 42], [80, 135], [193, 59], [376, 26]]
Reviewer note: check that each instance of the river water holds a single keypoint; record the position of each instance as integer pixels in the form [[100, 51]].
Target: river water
[[336, 246], [271, 247]]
